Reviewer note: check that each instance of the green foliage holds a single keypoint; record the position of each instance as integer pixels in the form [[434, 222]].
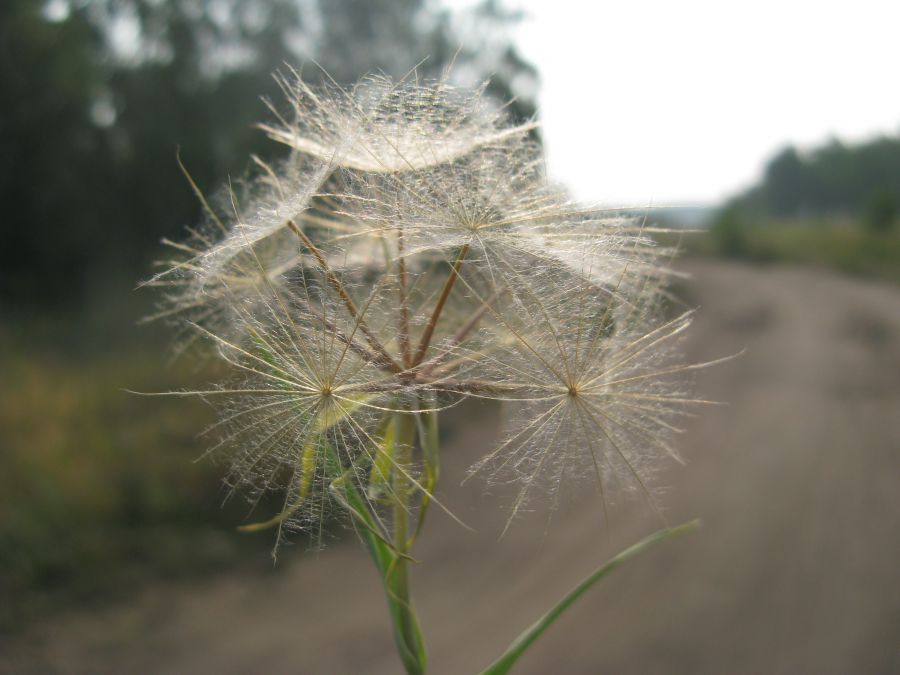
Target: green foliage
[[835, 206], [841, 245], [881, 211], [48, 75], [91, 121], [729, 233], [834, 179], [97, 489]]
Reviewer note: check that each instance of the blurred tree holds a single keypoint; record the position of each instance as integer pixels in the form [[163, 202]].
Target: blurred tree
[[833, 180], [191, 75], [360, 36], [787, 183], [881, 211], [48, 82], [729, 233], [95, 97], [490, 51]]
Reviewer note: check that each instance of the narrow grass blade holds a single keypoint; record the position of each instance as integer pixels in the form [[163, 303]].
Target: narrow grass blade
[[527, 638], [427, 424]]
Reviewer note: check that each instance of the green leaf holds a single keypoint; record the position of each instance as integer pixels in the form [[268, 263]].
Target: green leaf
[[527, 638], [382, 464], [307, 476], [427, 424], [349, 497]]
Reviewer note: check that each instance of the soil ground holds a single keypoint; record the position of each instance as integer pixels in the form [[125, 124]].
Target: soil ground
[[795, 570]]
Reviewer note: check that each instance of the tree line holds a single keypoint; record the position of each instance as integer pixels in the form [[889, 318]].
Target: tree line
[[96, 96], [854, 181]]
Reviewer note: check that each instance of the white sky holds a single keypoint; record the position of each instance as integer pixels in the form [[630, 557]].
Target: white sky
[[682, 101]]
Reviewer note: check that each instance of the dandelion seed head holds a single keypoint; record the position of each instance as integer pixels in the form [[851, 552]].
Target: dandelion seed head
[[410, 254], [382, 126]]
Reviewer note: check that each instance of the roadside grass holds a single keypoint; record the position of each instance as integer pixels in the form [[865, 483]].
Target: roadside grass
[[841, 245], [98, 490]]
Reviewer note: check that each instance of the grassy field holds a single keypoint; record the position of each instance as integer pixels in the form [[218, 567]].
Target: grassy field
[[834, 244], [98, 490]]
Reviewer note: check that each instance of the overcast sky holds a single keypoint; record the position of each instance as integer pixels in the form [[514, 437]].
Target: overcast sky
[[653, 103]]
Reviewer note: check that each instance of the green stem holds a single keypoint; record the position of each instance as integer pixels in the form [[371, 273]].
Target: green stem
[[407, 630]]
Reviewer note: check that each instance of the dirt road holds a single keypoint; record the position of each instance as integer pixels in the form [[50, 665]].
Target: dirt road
[[796, 569]]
